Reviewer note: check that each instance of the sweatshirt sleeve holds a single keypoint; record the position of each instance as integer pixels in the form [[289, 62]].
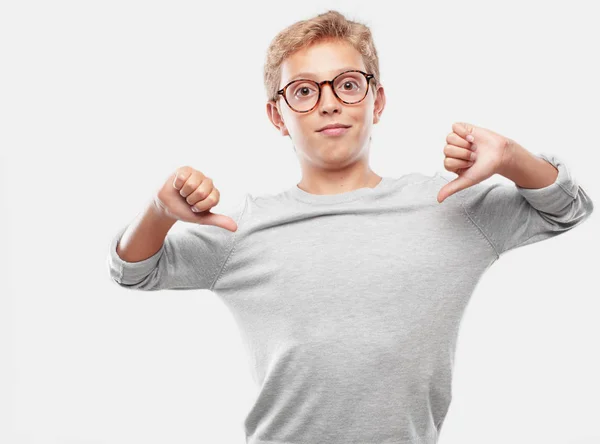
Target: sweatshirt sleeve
[[191, 257], [510, 216]]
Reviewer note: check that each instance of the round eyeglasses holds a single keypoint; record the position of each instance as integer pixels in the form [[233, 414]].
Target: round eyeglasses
[[349, 87]]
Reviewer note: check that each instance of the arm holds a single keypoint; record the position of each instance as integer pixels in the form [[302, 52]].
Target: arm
[[511, 216], [527, 170], [145, 235], [190, 257]]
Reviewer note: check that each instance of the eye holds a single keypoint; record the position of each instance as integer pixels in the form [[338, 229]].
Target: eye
[[303, 90], [345, 83]]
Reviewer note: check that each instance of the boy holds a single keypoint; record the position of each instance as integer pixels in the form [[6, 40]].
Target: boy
[[349, 287]]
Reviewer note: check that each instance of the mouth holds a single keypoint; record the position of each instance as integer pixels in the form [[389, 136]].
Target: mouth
[[334, 131]]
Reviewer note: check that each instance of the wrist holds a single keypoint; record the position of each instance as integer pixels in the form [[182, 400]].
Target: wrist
[[509, 158], [158, 214]]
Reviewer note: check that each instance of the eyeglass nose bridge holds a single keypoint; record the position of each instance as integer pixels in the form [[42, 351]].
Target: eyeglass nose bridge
[[325, 82]]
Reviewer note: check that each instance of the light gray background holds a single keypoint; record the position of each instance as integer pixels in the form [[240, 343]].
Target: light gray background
[[101, 101]]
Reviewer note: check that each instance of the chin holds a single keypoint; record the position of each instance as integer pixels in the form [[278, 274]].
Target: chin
[[338, 154]]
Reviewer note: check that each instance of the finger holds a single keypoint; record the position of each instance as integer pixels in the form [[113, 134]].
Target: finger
[[455, 139], [452, 164], [201, 192], [218, 220], [181, 175], [193, 182], [208, 202], [464, 130], [459, 153], [458, 184]]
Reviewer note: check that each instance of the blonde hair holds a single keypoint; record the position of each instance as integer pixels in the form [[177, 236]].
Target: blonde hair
[[330, 25]]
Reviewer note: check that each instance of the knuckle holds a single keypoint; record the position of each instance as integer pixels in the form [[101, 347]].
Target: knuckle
[[212, 200], [198, 175], [186, 190], [183, 172], [181, 175], [192, 183], [195, 197]]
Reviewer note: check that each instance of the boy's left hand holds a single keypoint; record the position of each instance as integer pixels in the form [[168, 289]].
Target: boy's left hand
[[492, 154]]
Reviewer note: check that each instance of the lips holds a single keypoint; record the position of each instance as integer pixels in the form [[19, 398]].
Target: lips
[[333, 126], [334, 131]]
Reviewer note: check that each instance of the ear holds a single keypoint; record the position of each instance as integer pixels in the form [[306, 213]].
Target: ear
[[276, 118], [379, 104]]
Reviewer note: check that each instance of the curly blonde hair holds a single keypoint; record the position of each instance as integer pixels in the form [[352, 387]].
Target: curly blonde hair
[[330, 25]]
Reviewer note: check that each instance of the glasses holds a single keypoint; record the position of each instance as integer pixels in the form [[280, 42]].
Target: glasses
[[349, 87]]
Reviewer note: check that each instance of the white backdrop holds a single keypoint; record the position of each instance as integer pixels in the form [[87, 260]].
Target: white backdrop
[[101, 101]]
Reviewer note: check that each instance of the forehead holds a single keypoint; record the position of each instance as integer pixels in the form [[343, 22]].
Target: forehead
[[321, 60]]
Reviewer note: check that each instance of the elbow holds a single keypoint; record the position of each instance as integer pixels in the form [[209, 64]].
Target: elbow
[[146, 284], [134, 281], [572, 215], [584, 205]]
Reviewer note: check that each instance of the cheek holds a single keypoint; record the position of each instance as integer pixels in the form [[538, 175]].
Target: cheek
[[367, 118], [364, 126]]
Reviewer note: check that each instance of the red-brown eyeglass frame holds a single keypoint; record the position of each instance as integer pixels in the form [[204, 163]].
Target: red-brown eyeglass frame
[[319, 86]]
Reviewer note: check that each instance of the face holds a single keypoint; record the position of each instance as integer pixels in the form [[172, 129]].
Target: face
[[324, 61]]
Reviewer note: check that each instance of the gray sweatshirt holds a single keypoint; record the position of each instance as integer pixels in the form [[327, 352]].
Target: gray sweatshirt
[[349, 304]]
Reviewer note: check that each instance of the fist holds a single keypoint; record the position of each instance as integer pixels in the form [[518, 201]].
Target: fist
[[188, 195], [474, 153]]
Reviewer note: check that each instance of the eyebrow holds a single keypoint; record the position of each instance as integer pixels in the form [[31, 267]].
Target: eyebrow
[[310, 74]]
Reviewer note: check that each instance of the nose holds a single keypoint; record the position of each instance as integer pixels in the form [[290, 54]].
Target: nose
[[328, 102]]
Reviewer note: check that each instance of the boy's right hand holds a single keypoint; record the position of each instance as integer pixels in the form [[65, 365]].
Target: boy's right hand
[[188, 188]]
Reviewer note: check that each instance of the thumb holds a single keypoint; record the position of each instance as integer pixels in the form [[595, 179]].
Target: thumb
[[458, 184], [218, 220]]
